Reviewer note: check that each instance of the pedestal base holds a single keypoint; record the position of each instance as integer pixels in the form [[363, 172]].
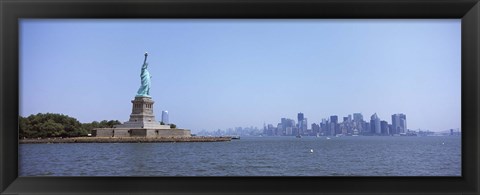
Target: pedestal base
[[140, 132], [142, 123]]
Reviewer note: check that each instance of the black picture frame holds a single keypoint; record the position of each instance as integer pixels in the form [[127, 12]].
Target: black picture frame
[[12, 10]]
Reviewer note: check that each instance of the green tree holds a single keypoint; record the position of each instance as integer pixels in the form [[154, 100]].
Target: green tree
[[173, 126], [50, 128], [50, 125], [112, 123], [56, 125], [102, 124]]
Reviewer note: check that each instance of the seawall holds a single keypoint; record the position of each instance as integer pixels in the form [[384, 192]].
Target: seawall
[[123, 140]]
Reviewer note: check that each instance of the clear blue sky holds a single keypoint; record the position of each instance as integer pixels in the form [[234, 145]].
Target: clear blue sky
[[212, 74]]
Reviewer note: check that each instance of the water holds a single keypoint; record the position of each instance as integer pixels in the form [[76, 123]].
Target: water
[[250, 156]]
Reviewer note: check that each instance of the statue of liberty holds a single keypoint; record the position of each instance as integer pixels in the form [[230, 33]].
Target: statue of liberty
[[144, 90]]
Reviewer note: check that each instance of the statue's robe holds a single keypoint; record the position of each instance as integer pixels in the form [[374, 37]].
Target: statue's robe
[[144, 89]]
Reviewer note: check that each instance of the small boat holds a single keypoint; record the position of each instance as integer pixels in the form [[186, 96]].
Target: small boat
[[328, 138], [236, 137], [298, 136]]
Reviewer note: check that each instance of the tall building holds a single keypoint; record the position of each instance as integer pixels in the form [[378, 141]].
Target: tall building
[[289, 131], [395, 124], [347, 125], [300, 117], [323, 127], [280, 130], [287, 125], [316, 129], [165, 117], [357, 117], [334, 119], [366, 128], [399, 123], [334, 125], [403, 123], [302, 124], [284, 122], [271, 130], [358, 122], [375, 124], [384, 127]]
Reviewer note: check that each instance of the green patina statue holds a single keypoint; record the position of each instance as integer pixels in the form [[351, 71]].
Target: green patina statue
[[144, 90]]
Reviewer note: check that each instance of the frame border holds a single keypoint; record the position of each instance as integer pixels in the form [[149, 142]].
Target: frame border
[[466, 10]]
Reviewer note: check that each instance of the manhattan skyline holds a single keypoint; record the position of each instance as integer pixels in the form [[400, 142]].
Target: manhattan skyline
[[216, 74]]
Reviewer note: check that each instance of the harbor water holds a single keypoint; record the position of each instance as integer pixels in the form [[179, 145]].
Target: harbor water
[[250, 156]]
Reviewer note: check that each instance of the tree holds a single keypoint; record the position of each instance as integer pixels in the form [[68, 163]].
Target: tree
[[50, 125], [173, 126], [112, 123], [50, 128]]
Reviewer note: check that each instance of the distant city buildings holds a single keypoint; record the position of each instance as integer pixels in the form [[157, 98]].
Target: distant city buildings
[[351, 125], [237, 131]]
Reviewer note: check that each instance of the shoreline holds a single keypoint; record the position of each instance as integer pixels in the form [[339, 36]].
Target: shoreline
[[122, 140]]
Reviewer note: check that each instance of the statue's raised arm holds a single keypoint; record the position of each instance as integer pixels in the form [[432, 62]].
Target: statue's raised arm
[[145, 60], [144, 90]]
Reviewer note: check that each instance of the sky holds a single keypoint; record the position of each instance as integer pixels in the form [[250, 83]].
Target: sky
[[217, 74]]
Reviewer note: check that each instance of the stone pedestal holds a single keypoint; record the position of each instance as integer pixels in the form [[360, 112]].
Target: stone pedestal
[[142, 123], [142, 115]]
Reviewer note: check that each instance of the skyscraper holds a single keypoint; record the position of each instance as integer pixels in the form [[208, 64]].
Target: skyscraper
[[334, 125], [316, 129], [384, 127], [403, 123], [358, 122], [302, 123], [334, 119], [366, 128], [300, 117], [357, 117], [280, 130], [399, 123], [324, 127], [375, 124], [165, 117]]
